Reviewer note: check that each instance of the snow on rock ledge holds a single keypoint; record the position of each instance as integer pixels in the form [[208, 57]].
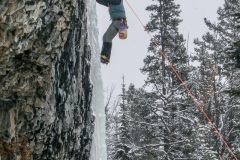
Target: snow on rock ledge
[[45, 90]]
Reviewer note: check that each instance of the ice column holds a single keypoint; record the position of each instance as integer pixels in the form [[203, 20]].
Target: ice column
[[98, 151]]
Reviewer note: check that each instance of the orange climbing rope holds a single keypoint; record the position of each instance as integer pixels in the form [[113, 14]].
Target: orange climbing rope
[[186, 87]]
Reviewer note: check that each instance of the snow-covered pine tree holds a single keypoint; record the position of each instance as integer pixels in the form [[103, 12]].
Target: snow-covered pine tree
[[111, 134], [111, 125], [234, 50], [206, 90], [206, 54], [172, 104], [144, 125], [228, 32], [234, 53], [122, 147], [219, 76], [201, 144]]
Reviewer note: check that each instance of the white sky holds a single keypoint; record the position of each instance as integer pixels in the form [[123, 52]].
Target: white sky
[[127, 55]]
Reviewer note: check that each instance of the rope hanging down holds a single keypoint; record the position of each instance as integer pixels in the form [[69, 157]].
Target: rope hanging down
[[186, 87]]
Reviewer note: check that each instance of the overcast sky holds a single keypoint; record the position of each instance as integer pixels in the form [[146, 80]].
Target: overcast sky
[[127, 55]]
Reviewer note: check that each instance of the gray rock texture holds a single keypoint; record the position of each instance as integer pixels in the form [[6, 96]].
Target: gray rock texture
[[45, 90]]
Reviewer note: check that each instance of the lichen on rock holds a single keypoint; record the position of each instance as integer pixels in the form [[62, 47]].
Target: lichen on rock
[[45, 90]]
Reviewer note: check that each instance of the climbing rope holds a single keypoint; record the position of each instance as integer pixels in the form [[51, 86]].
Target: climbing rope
[[186, 87]]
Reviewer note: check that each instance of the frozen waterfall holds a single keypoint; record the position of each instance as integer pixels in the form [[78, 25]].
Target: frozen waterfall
[[98, 151]]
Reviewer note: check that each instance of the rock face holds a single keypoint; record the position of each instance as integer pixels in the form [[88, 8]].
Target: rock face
[[45, 90]]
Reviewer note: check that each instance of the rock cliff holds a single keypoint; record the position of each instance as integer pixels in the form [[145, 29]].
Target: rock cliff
[[45, 90]]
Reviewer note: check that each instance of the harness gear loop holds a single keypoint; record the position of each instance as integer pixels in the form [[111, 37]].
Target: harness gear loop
[[124, 20]]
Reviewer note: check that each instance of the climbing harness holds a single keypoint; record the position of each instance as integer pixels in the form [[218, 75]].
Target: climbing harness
[[185, 86]]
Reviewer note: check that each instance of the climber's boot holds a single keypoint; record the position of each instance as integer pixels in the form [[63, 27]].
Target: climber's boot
[[106, 52], [104, 59]]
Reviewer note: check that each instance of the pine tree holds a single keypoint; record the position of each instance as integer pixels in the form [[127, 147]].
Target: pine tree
[[234, 49], [201, 145], [111, 129], [123, 135], [171, 106], [217, 76], [205, 90], [234, 52], [144, 125]]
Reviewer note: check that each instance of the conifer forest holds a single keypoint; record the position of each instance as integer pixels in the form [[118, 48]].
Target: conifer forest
[[160, 120]]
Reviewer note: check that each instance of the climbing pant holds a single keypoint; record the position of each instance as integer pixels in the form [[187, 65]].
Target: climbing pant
[[111, 31]]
